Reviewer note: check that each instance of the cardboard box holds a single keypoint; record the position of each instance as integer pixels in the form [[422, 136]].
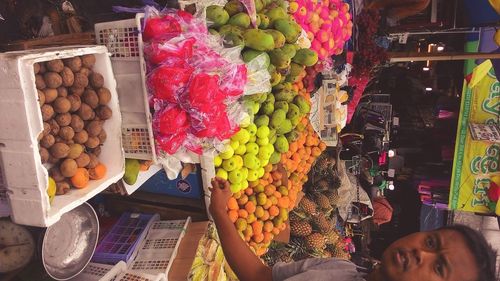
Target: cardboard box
[[187, 251]]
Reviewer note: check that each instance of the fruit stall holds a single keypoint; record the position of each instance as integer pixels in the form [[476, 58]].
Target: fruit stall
[[164, 101]]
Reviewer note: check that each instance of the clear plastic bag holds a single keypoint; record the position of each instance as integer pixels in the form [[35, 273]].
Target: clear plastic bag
[[258, 77]]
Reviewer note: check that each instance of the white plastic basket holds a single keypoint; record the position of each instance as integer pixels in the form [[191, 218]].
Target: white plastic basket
[[124, 42], [130, 275], [25, 177], [101, 272]]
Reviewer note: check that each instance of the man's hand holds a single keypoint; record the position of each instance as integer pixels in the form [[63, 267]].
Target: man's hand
[[219, 197]]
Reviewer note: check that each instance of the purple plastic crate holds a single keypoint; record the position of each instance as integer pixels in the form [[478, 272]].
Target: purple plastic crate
[[122, 239]]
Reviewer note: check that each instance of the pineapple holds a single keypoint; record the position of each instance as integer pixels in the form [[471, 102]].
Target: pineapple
[[322, 223], [300, 228], [331, 237], [322, 185], [308, 206], [338, 250], [275, 256], [298, 249], [323, 202], [315, 241], [333, 197], [335, 182]]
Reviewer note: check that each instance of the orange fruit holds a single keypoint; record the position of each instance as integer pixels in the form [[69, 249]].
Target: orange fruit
[[243, 200], [233, 215], [249, 191], [241, 224], [259, 212], [250, 207], [265, 217], [248, 232], [242, 213], [270, 189], [268, 237], [268, 168], [258, 188], [237, 195], [276, 231], [268, 204], [322, 146], [316, 151], [251, 218], [261, 199], [253, 183], [273, 199], [257, 227], [277, 194], [258, 237], [284, 202], [81, 178], [98, 172], [268, 226], [232, 204], [274, 211]]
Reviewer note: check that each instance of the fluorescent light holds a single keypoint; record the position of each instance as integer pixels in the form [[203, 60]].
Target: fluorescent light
[[428, 89], [426, 68], [440, 48], [391, 153], [391, 187]]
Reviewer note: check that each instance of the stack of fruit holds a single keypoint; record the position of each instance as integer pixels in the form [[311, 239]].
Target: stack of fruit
[[73, 102], [327, 23]]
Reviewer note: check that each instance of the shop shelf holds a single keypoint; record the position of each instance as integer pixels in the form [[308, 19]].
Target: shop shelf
[[25, 177], [142, 178], [120, 244]]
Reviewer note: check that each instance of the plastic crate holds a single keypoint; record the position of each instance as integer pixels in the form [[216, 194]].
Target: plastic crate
[[25, 177], [158, 250], [124, 42], [121, 242], [101, 272], [139, 276]]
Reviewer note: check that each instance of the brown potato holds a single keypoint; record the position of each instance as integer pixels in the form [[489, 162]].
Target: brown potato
[[76, 123], [62, 105], [104, 96], [55, 173], [52, 80], [39, 82], [59, 150], [94, 128], [85, 112], [48, 141], [96, 151], [76, 90], [43, 68], [81, 137], [75, 64], [62, 187], [50, 95], [62, 92], [68, 77], [44, 154], [63, 119], [104, 112], [68, 168], [96, 80], [75, 102], [85, 71], [54, 127], [92, 142], [52, 160], [88, 60], [46, 128], [66, 133], [94, 161], [83, 160], [75, 150], [47, 112], [55, 65], [90, 97], [41, 97], [102, 136], [81, 81], [36, 67]]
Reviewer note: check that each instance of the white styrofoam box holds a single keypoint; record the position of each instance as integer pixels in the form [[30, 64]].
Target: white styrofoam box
[[21, 122], [158, 250], [142, 178], [101, 272], [124, 42]]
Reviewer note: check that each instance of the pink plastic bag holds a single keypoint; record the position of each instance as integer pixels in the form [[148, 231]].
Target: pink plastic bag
[[161, 28], [170, 53], [170, 143], [168, 82], [171, 120]]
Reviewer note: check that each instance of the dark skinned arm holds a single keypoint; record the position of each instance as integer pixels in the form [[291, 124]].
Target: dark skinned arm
[[246, 265]]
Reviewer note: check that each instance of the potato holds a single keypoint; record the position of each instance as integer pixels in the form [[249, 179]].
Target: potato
[[76, 123], [94, 161], [59, 150], [96, 80], [52, 160], [76, 90], [92, 142], [54, 127], [47, 112], [62, 105], [62, 187], [55, 173], [68, 77], [88, 60], [75, 150], [85, 112], [90, 97], [66, 133], [52, 80], [41, 97], [75, 64], [55, 65], [104, 112], [102, 136], [50, 95], [48, 141], [81, 137], [104, 96], [81, 81], [63, 119], [85, 71], [94, 128], [39, 82], [68, 168], [36, 67], [62, 92], [96, 151], [75, 102], [83, 160], [44, 154], [46, 129]]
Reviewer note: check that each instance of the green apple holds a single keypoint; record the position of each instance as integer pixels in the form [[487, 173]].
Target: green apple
[[261, 172], [253, 175], [263, 131], [234, 144], [252, 148], [265, 152], [221, 173], [240, 150], [229, 164], [262, 120], [244, 184], [252, 129], [217, 161], [262, 141], [228, 153], [252, 138], [235, 187], [281, 144], [242, 136], [270, 148], [251, 161], [255, 108], [264, 162], [238, 160], [244, 172], [235, 176]]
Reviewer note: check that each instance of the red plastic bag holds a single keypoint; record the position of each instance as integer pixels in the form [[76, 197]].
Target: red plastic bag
[[171, 120], [168, 82], [204, 92], [234, 81], [164, 27], [169, 53], [171, 143]]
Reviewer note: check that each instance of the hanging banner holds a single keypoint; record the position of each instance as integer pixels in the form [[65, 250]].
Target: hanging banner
[[475, 165]]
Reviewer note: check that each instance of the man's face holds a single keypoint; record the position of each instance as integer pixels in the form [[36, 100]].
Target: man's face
[[429, 256]]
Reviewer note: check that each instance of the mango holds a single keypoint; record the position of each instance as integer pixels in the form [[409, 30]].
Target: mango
[[278, 117], [217, 15], [292, 136], [290, 50], [295, 121], [285, 95], [295, 72], [258, 40], [289, 28], [259, 5], [132, 167], [240, 19], [233, 7], [275, 158], [306, 57], [279, 38], [281, 144], [249, 55], [285, 127], [293, 112], [264, 21], [272, 136], [271, 69], [303, 104], [213, 31], [233, 35], [279, 59], [262, 120], [284, 86], [267, 108], [281, 105], [275, 14], [275, 78], [270, 98]]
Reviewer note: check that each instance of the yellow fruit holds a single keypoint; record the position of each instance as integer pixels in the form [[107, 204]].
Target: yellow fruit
[[496, 5], [497, 37], [261, 199], [241, 224], [51, 189]]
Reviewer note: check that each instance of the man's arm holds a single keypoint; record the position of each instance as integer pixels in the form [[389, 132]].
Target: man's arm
[[246, 265]]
